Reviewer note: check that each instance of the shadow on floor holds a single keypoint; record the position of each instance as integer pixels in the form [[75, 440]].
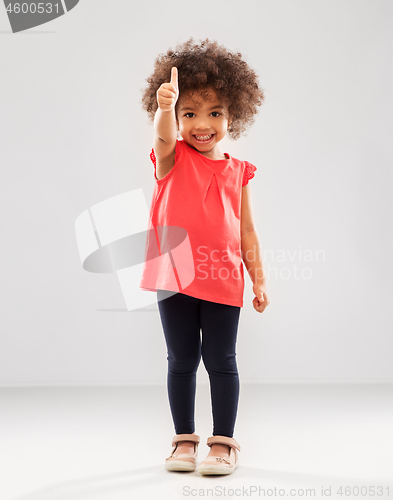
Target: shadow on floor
[[156, 482]]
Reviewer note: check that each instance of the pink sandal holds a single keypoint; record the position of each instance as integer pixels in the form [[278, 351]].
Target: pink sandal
[[183, 461], [219, 465]]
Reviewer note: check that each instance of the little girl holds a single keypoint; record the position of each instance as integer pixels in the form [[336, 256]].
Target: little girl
[[200, 93]]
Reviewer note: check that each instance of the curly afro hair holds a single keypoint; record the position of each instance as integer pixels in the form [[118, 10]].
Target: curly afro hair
[[209, 65]]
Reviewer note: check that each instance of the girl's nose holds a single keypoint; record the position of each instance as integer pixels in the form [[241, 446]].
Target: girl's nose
[[202, 125]]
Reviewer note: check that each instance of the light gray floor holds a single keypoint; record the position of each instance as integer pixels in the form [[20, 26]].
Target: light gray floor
[[111, 443]]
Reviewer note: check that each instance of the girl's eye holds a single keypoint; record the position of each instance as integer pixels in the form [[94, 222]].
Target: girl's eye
[[190, 113]]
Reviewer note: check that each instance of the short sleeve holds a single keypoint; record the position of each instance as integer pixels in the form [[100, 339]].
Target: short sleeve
[[154, 159], [248, 172]]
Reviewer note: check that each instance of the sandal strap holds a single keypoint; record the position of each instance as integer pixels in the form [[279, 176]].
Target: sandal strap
[[186, 437], [223, 440]]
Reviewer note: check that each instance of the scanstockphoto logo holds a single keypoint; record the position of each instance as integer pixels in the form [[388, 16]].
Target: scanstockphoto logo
[[112, 238], [28, 14]]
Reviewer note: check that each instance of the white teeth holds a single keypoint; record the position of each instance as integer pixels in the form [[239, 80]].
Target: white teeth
[[203, 137]]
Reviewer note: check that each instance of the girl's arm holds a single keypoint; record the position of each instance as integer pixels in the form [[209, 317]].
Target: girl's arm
[[252, 252], [165, 133], [164, 147], [165, 126]]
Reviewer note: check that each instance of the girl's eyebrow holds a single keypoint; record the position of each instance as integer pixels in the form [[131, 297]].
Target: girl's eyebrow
[[213, 107]]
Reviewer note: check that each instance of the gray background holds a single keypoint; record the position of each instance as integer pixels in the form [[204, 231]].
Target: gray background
[[73, 134]]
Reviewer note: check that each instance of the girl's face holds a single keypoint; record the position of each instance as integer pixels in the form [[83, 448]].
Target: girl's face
[[202, 121]]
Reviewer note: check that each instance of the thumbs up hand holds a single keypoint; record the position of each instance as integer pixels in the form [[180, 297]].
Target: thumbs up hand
[[168, 93]]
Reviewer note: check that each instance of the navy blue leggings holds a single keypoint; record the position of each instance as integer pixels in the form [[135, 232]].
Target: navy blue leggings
[[182, 318]]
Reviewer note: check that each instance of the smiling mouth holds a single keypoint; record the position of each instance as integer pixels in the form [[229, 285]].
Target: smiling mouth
[[204, 138]]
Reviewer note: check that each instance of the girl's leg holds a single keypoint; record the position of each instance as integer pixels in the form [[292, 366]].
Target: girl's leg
[[219, 323], [180, 321]]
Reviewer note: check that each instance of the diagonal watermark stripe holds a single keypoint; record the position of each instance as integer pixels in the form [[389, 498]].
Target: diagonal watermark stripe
[[112, 238]]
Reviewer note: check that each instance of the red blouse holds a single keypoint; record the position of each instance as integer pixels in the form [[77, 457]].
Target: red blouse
[[193, 244]]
